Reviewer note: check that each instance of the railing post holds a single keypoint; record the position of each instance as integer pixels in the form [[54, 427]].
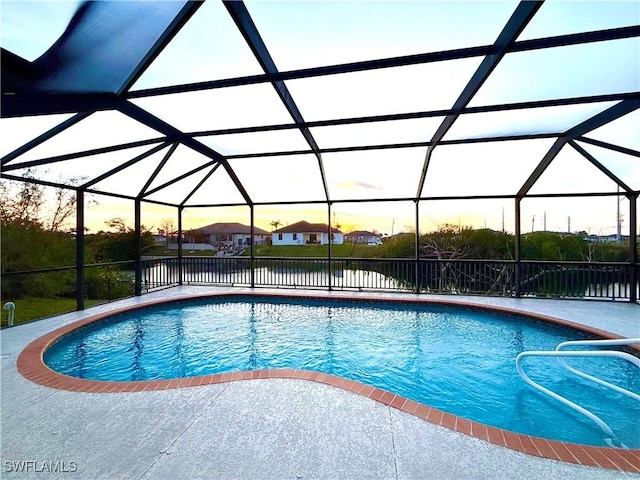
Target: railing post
[[79, 249], [137, 248], [518, 232], [180, 266], [417, 252], [330, 286], [633, 245], [252, 260]]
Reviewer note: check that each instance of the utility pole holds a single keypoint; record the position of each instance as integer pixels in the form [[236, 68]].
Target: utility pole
[[618, 219], [568, 224], [533, 222], [545, 221], [503, 219]]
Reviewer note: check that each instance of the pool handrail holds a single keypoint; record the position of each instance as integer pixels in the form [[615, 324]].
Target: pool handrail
[[620, 341], [560, 354]]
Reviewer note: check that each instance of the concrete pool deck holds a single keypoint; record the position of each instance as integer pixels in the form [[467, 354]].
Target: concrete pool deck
[[262, 428]]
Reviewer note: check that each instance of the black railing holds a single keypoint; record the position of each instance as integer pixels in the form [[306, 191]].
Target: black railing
[[467, 277], [51, 291], [110, 281], [374, 274], [311, 273], [216, 270], [575, 279], [159, 273], [612, 281], [105, 282], [102, 282]]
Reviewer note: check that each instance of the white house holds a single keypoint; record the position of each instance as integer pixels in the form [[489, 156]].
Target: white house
[[362, 236], [229, 235], [305, 233]]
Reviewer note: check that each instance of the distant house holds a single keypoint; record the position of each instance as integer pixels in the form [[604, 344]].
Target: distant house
[[612, 238], [362, 236], [160, 239], [229, 235], [305, 233]]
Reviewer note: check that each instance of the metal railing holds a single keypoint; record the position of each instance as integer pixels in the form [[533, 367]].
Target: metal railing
[[56, 290], [113, 280], [468, 277], [102, 281], [574, 279], [159, 273], [217, 270], [610, 281], [374, 274], [105, 282], [308, 273], [576, 343], [109, 281], [611, 438]]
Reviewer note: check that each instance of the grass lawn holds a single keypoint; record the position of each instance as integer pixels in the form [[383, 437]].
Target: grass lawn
[[160, 251], [345, 250], [28, 309]]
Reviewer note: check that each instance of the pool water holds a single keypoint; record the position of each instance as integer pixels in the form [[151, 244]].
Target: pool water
[[458, 360]]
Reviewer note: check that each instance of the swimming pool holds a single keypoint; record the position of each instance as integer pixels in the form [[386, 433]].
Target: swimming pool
[[458, 360]]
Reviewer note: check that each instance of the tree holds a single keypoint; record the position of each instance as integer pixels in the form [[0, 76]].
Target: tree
[[64, 206], [488, 244], [32, 219], [118, 224], [29, 204], [401, 245], [116, 246], [336, 224], [275, 224], [20, 203], [348, 228], [448, 243], [167, 228]]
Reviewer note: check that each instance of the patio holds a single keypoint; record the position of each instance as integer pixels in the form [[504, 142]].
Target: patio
[[414, 118], [302, 429], [491, 117]]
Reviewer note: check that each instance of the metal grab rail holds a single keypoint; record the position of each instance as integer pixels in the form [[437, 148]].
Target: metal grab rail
[[622, 341], [612, 440]]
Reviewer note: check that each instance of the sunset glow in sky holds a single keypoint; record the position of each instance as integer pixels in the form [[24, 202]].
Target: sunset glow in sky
[[314, 33]]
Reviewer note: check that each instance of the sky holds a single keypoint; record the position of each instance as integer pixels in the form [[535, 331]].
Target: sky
[[313, 33]]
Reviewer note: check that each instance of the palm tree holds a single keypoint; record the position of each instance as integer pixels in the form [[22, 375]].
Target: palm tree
[[275, 224]]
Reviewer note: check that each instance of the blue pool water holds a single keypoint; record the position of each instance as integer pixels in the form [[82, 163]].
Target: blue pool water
[[458, 360]]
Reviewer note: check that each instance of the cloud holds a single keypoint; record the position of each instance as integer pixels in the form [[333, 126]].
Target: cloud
[[349, 185]]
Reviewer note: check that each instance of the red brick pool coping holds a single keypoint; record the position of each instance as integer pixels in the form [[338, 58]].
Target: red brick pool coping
[[31, 365]]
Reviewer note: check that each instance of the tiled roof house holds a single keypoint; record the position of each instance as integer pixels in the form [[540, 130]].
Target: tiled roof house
[[305, 233], [230, 234], [362, 236]]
